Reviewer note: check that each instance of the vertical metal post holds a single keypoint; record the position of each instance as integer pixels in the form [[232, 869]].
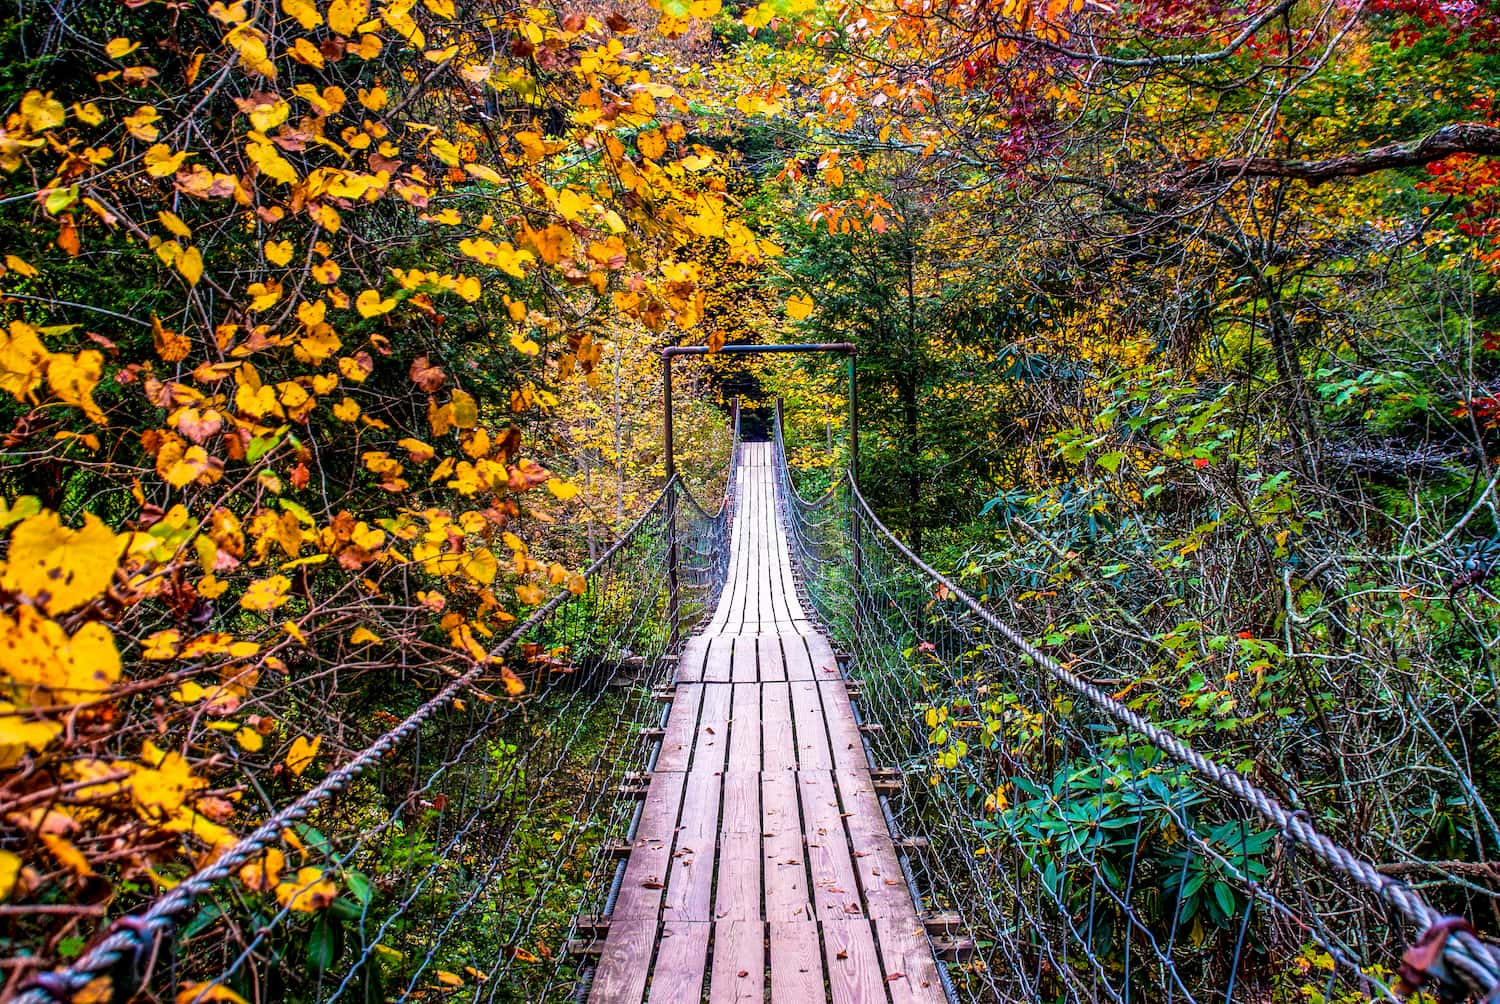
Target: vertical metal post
[[856, 552], [674, 595], [853, 418]]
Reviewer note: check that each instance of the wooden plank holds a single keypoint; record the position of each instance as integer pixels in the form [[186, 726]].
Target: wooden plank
[[737, 889], [772, 662], [786, 895], [742, 809], [739, 969], [681, 964], [712, 743], [690, 661], [830, 860], [911, 973], [719, 667], [825, 666], [813, 752], [620, 977], [651, 852], [682, 727], [854, 975], [798, 662], [886, 895], [744, 669], [843, 732], [778, 742], [744, 728], [796, 963], [690, 882]]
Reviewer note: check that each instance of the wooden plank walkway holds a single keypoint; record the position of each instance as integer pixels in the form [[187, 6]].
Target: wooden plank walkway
[[762, 868]]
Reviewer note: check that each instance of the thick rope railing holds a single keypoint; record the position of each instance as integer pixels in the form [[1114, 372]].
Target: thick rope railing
[[134, 943], [1459, 958], [1477, 961]]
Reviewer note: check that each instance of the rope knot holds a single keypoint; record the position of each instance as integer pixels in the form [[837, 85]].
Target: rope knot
[[1424, 963]]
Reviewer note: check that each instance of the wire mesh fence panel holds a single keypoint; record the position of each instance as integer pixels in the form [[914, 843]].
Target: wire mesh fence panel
[[451, 852], [1084, 853]]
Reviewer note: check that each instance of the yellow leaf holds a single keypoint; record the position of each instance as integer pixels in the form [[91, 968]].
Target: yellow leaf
[[482, 566], [190, 264], [345, 16], [174, 223], [303, 51], [67, 855], [375, 98], [465, 410], [141, 123], [304, 12], [278, 252], [19, 266], [18, 736], [42, 111], [214, 992], [119, 48], [181, 467], [250, 740], [266, 594], [448, 979], [68, 567], [563, 490], [369, 304], [363, 636], [268, 111], [327, 272], [160, 161], [10, 870], [262, 875], [161, 645], [23, 360], [652, 144], [300, 757], [799, 307], [88, 113], [308, 892], [529, 594], [271, 163], [524, 345]]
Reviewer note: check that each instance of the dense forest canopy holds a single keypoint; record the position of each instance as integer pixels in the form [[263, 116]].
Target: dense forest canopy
[[329, 339]]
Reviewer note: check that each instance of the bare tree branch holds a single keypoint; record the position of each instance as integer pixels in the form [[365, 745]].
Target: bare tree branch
[[1458, 137]]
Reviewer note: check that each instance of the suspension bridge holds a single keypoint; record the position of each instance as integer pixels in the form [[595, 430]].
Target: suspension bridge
[[770, 754]]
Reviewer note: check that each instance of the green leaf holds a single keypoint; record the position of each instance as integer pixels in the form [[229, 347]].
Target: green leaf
[[1111, 461], [323, 944], [261, 445], [1224, 896], [359, 885], [60, 199]]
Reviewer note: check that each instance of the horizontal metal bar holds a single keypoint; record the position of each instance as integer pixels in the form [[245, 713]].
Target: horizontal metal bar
[[702, 350]]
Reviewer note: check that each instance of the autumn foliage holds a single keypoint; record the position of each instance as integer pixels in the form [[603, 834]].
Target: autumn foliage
[[328, 331], [288, 293]]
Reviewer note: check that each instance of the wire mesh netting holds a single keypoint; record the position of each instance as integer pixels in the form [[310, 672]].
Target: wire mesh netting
[[454, 853], [1083, 853]]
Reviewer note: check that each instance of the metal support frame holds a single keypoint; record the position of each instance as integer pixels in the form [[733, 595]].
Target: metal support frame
[[674, 601]]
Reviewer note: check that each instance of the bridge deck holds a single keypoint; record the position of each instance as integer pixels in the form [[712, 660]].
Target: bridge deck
[[762, 863]]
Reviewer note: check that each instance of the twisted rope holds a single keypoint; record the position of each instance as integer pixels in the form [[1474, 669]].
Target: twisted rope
[[132, 937], [1476, 962]]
